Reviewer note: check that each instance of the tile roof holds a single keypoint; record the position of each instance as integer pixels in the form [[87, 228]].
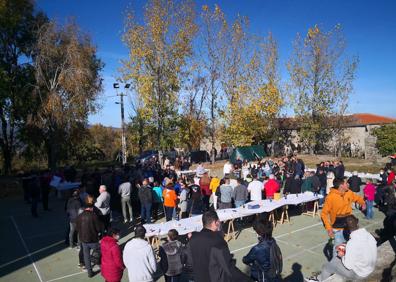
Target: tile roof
[[368, 119], [353, 120]]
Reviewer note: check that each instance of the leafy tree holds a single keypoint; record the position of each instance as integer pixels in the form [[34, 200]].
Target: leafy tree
[[213, 30], [192, 121], [158, 52], [321, 80], [386, 136], [107, 140], [67, 83], [250, 81], [18, 26]]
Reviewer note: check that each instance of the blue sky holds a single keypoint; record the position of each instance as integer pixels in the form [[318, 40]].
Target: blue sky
[[369, 27]]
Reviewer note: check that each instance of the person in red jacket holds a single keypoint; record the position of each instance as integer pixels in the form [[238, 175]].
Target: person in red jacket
[[391, 177], [112, 266], [271, 187]]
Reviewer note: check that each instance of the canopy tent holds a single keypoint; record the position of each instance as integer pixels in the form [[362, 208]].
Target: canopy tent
[[248, 153]]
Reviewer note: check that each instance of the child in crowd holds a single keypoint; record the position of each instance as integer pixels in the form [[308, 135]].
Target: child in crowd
[[171, 254], [369, 194]]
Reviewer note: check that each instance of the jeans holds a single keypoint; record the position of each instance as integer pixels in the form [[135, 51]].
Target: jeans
[[145, 212], [172, 278], [126, 203], [155, 210], [338, 240], [336, 266], [322, 192], [239, 203], [87, 247], [169, 213], [72, 230], [370, 209]]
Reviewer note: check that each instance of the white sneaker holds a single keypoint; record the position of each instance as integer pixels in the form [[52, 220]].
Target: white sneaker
[[125, 220], [311, 279]]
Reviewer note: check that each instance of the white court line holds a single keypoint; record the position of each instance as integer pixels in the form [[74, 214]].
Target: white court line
[[45, 234], [297, 230], [66, 276], [33, 253], [280, 236], [26, 248]]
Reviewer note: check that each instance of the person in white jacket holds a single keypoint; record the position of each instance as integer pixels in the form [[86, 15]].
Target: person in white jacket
[[139, 258], [358, 259]]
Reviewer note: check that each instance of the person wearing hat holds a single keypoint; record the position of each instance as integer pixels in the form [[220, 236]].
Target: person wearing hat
[[139, 258]]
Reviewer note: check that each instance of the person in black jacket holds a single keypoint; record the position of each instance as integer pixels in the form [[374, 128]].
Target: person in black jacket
[[145, 194], [212, 260], [195, 203], [73, 207], [89, 228], [355, 182], [292, 185]]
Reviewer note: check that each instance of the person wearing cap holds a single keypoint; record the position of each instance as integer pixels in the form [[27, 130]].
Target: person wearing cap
[[111, 267], [139, 258], [103, 204]]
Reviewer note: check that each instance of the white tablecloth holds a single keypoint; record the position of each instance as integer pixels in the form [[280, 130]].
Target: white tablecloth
[[56, 183], [192, 224]]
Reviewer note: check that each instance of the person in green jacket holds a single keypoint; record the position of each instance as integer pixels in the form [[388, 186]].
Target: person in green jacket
[[307, 182]]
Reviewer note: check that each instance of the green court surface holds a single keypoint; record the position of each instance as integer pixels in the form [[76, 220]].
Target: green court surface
[[34, 249]]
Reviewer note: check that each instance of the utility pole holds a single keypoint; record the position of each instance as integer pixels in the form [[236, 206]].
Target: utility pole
[[123, 135]]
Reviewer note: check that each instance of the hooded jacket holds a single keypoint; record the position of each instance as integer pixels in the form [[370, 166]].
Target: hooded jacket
[[271, 187], [171, 258], [112, 266], [338, 204], [140, 261], [360, 253]]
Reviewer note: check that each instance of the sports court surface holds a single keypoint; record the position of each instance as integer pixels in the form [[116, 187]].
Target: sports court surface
[[34, 250]]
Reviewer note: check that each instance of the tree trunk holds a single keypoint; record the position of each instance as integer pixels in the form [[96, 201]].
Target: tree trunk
[[52, 151], [7, 160]]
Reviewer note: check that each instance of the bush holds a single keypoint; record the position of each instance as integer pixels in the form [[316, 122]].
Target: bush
[[386, 139]]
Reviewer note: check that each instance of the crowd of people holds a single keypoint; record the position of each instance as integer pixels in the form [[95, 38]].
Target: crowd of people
[[144, 193]]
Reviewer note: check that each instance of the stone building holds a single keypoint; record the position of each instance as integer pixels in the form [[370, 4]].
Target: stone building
[[358, 133]]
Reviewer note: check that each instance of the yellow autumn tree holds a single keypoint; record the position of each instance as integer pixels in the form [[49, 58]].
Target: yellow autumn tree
[[321, 79], [159, 48], [252, 86]]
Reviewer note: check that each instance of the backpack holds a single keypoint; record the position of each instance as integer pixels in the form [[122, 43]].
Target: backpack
[[174, 258], [276, 263]]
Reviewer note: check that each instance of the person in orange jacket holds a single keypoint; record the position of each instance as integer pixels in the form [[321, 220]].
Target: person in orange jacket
[[337, 206]]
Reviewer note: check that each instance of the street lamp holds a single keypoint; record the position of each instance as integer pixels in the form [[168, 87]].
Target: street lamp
[[123, 136]]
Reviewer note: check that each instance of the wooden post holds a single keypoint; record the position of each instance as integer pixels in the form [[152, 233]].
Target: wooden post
[[313, 212]]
